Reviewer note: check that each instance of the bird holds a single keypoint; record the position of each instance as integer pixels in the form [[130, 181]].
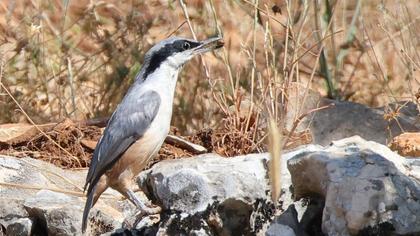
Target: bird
[[140, 123]]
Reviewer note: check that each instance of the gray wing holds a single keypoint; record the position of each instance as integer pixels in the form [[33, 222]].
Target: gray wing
[[128, 123]]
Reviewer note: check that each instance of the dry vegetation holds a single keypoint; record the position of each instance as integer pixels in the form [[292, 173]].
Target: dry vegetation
[[75, 59]]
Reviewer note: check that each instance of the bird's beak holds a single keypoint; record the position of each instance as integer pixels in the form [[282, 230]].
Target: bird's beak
[[209, 45]]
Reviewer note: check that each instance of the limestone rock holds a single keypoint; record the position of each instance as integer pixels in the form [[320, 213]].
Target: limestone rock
[[59, 212], [345, 119], [350, 187], [10, 211], [407, 144], [30, 175], [209, 192], [366, 187], [20, 227], [216, 195], [54, 212], [192, 184], [286, 224]]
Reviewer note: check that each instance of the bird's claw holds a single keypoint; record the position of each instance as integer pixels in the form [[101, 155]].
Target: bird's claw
[[146, 221], [152, 210], [147, 216]]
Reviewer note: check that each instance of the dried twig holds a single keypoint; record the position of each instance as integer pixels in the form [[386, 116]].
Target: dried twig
[[187, 18], [53, 173], [300, 118], [58, 190], [182, 143], [265, 13], [34, 187], [174, 31], [33, 123]]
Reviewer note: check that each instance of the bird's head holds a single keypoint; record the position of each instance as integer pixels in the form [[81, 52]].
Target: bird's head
[[175, 52]]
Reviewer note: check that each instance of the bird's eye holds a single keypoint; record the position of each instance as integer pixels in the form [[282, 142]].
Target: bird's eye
[[186, 46]]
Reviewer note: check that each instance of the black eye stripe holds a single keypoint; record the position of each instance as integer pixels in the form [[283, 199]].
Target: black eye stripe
[[166, 51], [186, 45], [189, 43]]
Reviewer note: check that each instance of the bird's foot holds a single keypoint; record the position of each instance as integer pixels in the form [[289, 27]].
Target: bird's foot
[[150, 210], [145, 217]]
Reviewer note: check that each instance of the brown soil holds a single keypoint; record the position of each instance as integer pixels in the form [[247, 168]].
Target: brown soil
[[71, 144], [63, 148]]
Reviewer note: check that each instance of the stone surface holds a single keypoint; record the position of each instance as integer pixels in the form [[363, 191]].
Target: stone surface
[[192, 184], [11, 210], [366, 186], [209, 193], [59, 213], [345, 119], [407, 144], [350, 187], [20, 227], [30, 175], [200, 194], [286, 224], [407, 110], [56, 212], [311, 218]]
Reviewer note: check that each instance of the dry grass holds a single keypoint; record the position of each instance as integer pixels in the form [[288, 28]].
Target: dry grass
[[275, 169], [77, 60]]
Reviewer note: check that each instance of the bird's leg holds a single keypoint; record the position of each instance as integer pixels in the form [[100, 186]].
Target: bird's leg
[[144, 210], [140, 205]]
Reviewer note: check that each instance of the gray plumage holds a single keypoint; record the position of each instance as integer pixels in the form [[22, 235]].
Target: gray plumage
[[140, 123], [124, 128]]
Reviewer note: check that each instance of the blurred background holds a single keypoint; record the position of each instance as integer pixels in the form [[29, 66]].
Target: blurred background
[[75, 59]]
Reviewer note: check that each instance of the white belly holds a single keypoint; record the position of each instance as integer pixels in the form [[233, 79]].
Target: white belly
[[139, 154]]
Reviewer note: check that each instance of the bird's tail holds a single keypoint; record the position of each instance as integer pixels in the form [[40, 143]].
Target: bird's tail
[[88, 206]]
